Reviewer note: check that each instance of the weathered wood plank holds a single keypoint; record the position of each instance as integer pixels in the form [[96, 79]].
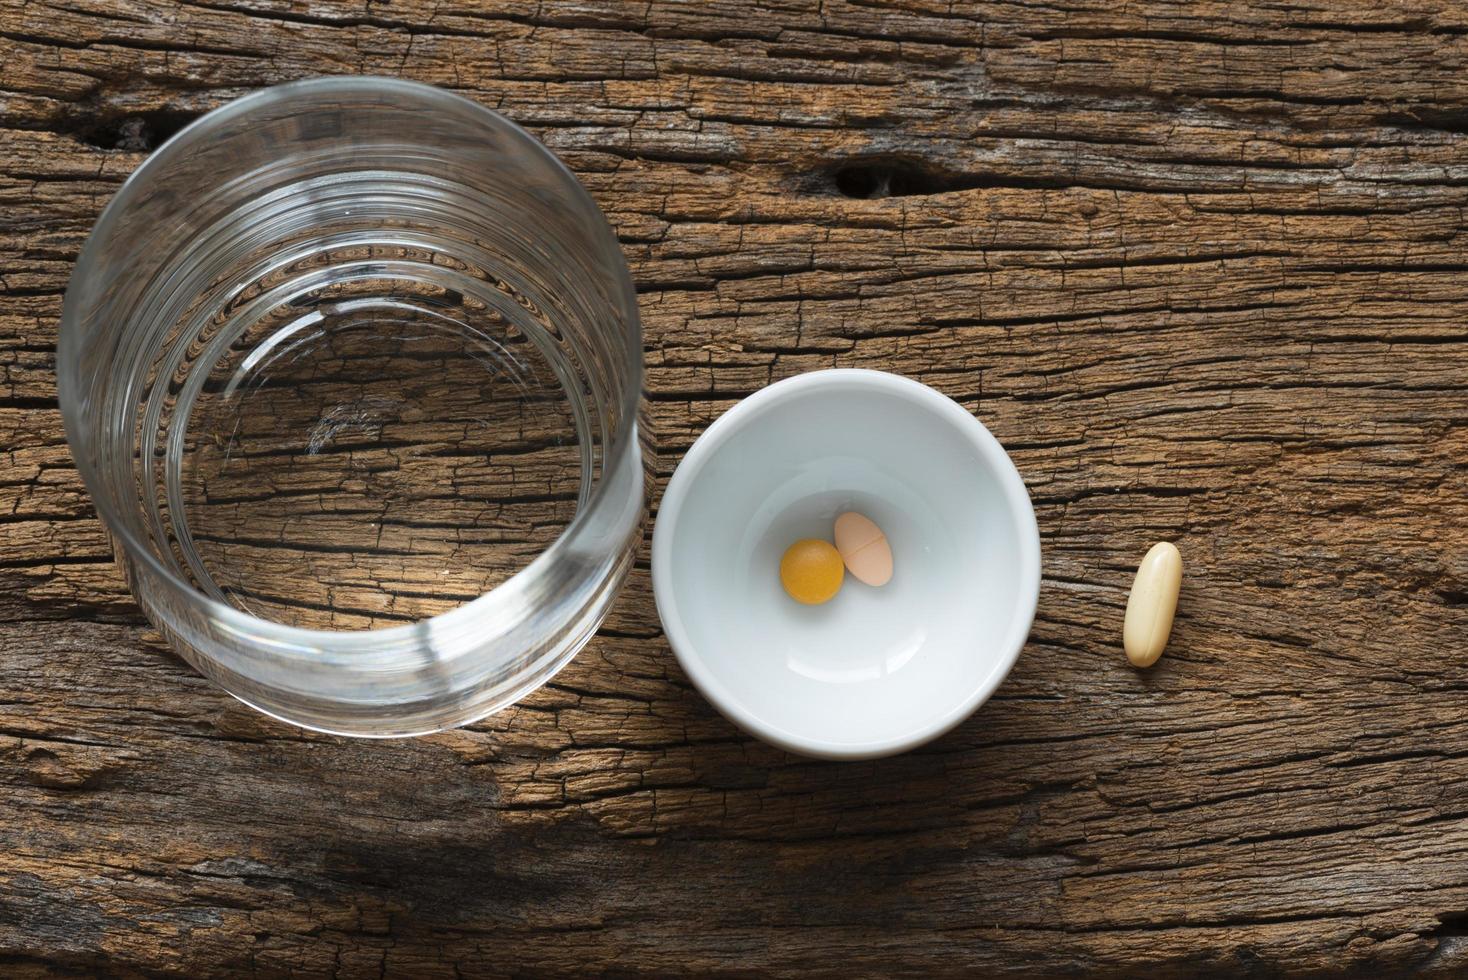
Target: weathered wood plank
[[1199, 266]]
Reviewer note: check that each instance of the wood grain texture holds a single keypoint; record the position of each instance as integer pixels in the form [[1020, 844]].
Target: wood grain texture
[[1200, 268]]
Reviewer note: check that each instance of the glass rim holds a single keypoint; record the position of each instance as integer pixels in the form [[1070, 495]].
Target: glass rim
[[323, 646]]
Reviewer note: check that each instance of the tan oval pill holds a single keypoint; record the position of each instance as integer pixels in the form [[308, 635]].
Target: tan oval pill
[[1153, 601], [864, 549]]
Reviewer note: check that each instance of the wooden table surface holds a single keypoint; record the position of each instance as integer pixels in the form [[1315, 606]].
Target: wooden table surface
[[1198, 266]]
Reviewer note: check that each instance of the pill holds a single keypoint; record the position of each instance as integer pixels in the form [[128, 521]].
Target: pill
[[811, 571], [1151, 605], [863, 548]]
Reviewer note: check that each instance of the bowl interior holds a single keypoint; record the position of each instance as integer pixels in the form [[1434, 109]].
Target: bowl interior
[[874, 670]]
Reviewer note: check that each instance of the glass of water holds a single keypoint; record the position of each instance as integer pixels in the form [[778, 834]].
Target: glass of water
[[351, 368]]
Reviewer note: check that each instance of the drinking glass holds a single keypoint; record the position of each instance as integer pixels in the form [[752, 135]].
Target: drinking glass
[[351, 368]]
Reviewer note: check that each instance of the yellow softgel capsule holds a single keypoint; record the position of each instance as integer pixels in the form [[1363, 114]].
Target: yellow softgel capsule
[[811, 571], [1152, 604]]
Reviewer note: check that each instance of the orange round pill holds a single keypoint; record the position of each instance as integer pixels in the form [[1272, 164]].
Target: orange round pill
[[811, 571]]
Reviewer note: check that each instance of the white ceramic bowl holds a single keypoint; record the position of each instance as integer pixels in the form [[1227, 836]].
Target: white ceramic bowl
[[876, 670]]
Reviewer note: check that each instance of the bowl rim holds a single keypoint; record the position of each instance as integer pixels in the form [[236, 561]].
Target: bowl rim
[[756, 408]]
